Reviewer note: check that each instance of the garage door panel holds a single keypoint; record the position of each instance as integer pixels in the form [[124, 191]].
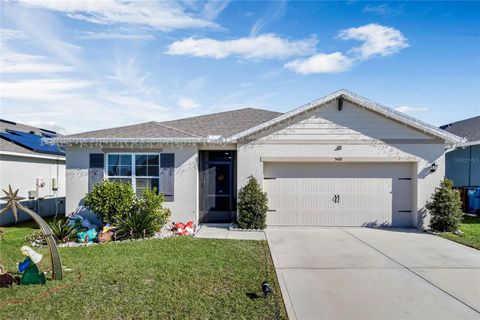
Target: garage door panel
[[361, 194]]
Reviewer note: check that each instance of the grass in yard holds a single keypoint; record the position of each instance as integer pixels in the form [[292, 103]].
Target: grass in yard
[[175, 278], [470, 227]]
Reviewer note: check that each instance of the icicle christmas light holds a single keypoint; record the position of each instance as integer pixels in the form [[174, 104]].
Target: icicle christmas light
[[181, 142]]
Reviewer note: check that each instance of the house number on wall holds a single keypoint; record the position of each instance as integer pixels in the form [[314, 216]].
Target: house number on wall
[[338, 158]]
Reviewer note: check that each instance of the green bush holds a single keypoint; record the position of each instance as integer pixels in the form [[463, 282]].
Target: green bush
[[63, 231], [252, 206], [146, 216], [110, 200], [445, 208]]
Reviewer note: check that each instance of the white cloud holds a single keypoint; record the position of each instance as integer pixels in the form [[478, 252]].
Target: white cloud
[[187, 103], [42, 89], [276, 11], [12, 62], [127, 71], [160, 15], [377, 40], [265, 46], [383, 9], [321, 63], [213, 8], [10, 34], [131, 102], [50, 125], [411, 110], [114, 35]]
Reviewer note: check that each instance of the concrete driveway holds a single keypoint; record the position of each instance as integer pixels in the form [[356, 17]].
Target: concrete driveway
[[362, 273]]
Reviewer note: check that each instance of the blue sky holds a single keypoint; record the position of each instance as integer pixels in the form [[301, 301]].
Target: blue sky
[[78, 66]]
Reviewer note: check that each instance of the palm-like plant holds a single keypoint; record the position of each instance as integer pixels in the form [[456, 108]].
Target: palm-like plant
[[62, 230], [13, 203]]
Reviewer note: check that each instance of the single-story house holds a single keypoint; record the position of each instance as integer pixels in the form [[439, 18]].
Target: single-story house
[[341, 160], [36, 169], [462, 164]]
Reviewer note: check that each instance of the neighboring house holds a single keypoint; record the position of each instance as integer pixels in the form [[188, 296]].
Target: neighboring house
[[341, 160], [36, 169], [462, 164]]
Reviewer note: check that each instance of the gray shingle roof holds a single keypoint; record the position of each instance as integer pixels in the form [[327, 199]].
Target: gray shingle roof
[[222, 123], [468, 128], [12, 147], [150, 129]]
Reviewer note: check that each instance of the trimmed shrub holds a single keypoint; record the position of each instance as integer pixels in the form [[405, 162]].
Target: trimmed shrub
[[445, 208], [146, 216], [110, 200], [252, 206]]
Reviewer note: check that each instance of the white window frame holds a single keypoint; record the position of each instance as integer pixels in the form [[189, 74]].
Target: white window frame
[[133, 177]]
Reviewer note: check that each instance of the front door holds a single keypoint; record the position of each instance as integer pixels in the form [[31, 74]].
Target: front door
[[217, 194]]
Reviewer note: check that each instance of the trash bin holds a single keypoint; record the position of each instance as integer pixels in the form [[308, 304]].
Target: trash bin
[[473, 200]]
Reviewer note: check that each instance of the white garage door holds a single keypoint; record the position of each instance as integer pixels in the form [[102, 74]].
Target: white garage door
[[338, 194]]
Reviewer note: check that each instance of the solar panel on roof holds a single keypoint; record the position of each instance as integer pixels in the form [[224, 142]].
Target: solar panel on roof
[[8, 121], [30, 141], [46, 135], [49, 131]]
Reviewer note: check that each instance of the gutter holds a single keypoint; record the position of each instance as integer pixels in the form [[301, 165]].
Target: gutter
[[36, 156]]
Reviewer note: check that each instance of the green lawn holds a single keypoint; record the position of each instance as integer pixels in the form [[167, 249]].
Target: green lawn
[[471, 232], [175, 278]]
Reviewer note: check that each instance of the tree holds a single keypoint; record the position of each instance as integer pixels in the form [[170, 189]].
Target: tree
[[252, 206], [445, 208]]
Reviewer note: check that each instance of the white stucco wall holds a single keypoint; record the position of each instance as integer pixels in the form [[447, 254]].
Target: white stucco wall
[[22, 172], [185, 204], [316, 137]]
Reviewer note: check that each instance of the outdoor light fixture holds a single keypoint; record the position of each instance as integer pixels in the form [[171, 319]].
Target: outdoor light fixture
[[266, 289], [433, 167]]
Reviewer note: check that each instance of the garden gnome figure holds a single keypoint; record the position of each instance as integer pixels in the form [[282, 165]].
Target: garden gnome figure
[[28, 267]]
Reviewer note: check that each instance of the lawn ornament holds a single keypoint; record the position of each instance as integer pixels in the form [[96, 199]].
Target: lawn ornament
[[107, 234], [13, 203], [28, 267], [184, 229], [87, 236], [266, 289], [6, 279]]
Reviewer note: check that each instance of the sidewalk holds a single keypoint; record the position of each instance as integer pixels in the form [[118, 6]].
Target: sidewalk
[[221, 231]]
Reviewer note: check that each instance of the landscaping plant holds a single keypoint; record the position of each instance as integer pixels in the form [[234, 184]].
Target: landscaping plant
[[62, 230], [252, 206], [110, 200], [145, 218], [445, 208]]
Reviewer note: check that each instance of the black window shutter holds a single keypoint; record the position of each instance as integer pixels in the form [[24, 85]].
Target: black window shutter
[[95, 171], [167, 175], [96, 160]]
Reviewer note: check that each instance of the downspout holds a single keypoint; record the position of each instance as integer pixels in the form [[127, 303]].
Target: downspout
[[470, 167]]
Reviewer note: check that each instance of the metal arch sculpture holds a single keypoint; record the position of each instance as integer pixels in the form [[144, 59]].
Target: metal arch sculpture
[[13, 203]]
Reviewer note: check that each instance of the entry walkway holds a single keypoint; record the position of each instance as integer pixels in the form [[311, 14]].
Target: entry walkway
[[222, 231]]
